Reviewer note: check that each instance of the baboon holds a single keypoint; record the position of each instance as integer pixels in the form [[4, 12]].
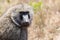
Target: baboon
[[14, 21]]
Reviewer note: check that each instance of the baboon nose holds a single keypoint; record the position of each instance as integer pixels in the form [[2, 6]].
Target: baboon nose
[[26, 24]]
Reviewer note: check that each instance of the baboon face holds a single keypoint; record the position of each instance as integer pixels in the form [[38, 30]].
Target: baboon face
[[22, 15], [24, 18]]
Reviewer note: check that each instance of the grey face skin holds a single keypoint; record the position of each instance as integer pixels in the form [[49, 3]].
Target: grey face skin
[[24, 18]]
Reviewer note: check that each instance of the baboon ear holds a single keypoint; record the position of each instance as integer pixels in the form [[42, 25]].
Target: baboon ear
[[15, 19]]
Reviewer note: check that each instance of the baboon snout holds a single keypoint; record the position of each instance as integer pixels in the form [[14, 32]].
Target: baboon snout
[[26, 23], [25, 18]]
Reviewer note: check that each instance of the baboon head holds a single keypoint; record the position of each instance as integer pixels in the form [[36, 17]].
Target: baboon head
[[22, 15]]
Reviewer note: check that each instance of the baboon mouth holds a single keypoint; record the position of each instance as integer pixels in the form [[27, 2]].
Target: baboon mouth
[[25, 24]]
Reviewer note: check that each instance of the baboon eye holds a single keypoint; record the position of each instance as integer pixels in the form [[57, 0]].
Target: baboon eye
[[22, 12], [27, 12]]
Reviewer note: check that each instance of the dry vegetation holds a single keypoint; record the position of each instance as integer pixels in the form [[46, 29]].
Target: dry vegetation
[[46, 22]]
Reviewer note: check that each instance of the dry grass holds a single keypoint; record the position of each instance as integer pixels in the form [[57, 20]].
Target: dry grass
[[46, 22]]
